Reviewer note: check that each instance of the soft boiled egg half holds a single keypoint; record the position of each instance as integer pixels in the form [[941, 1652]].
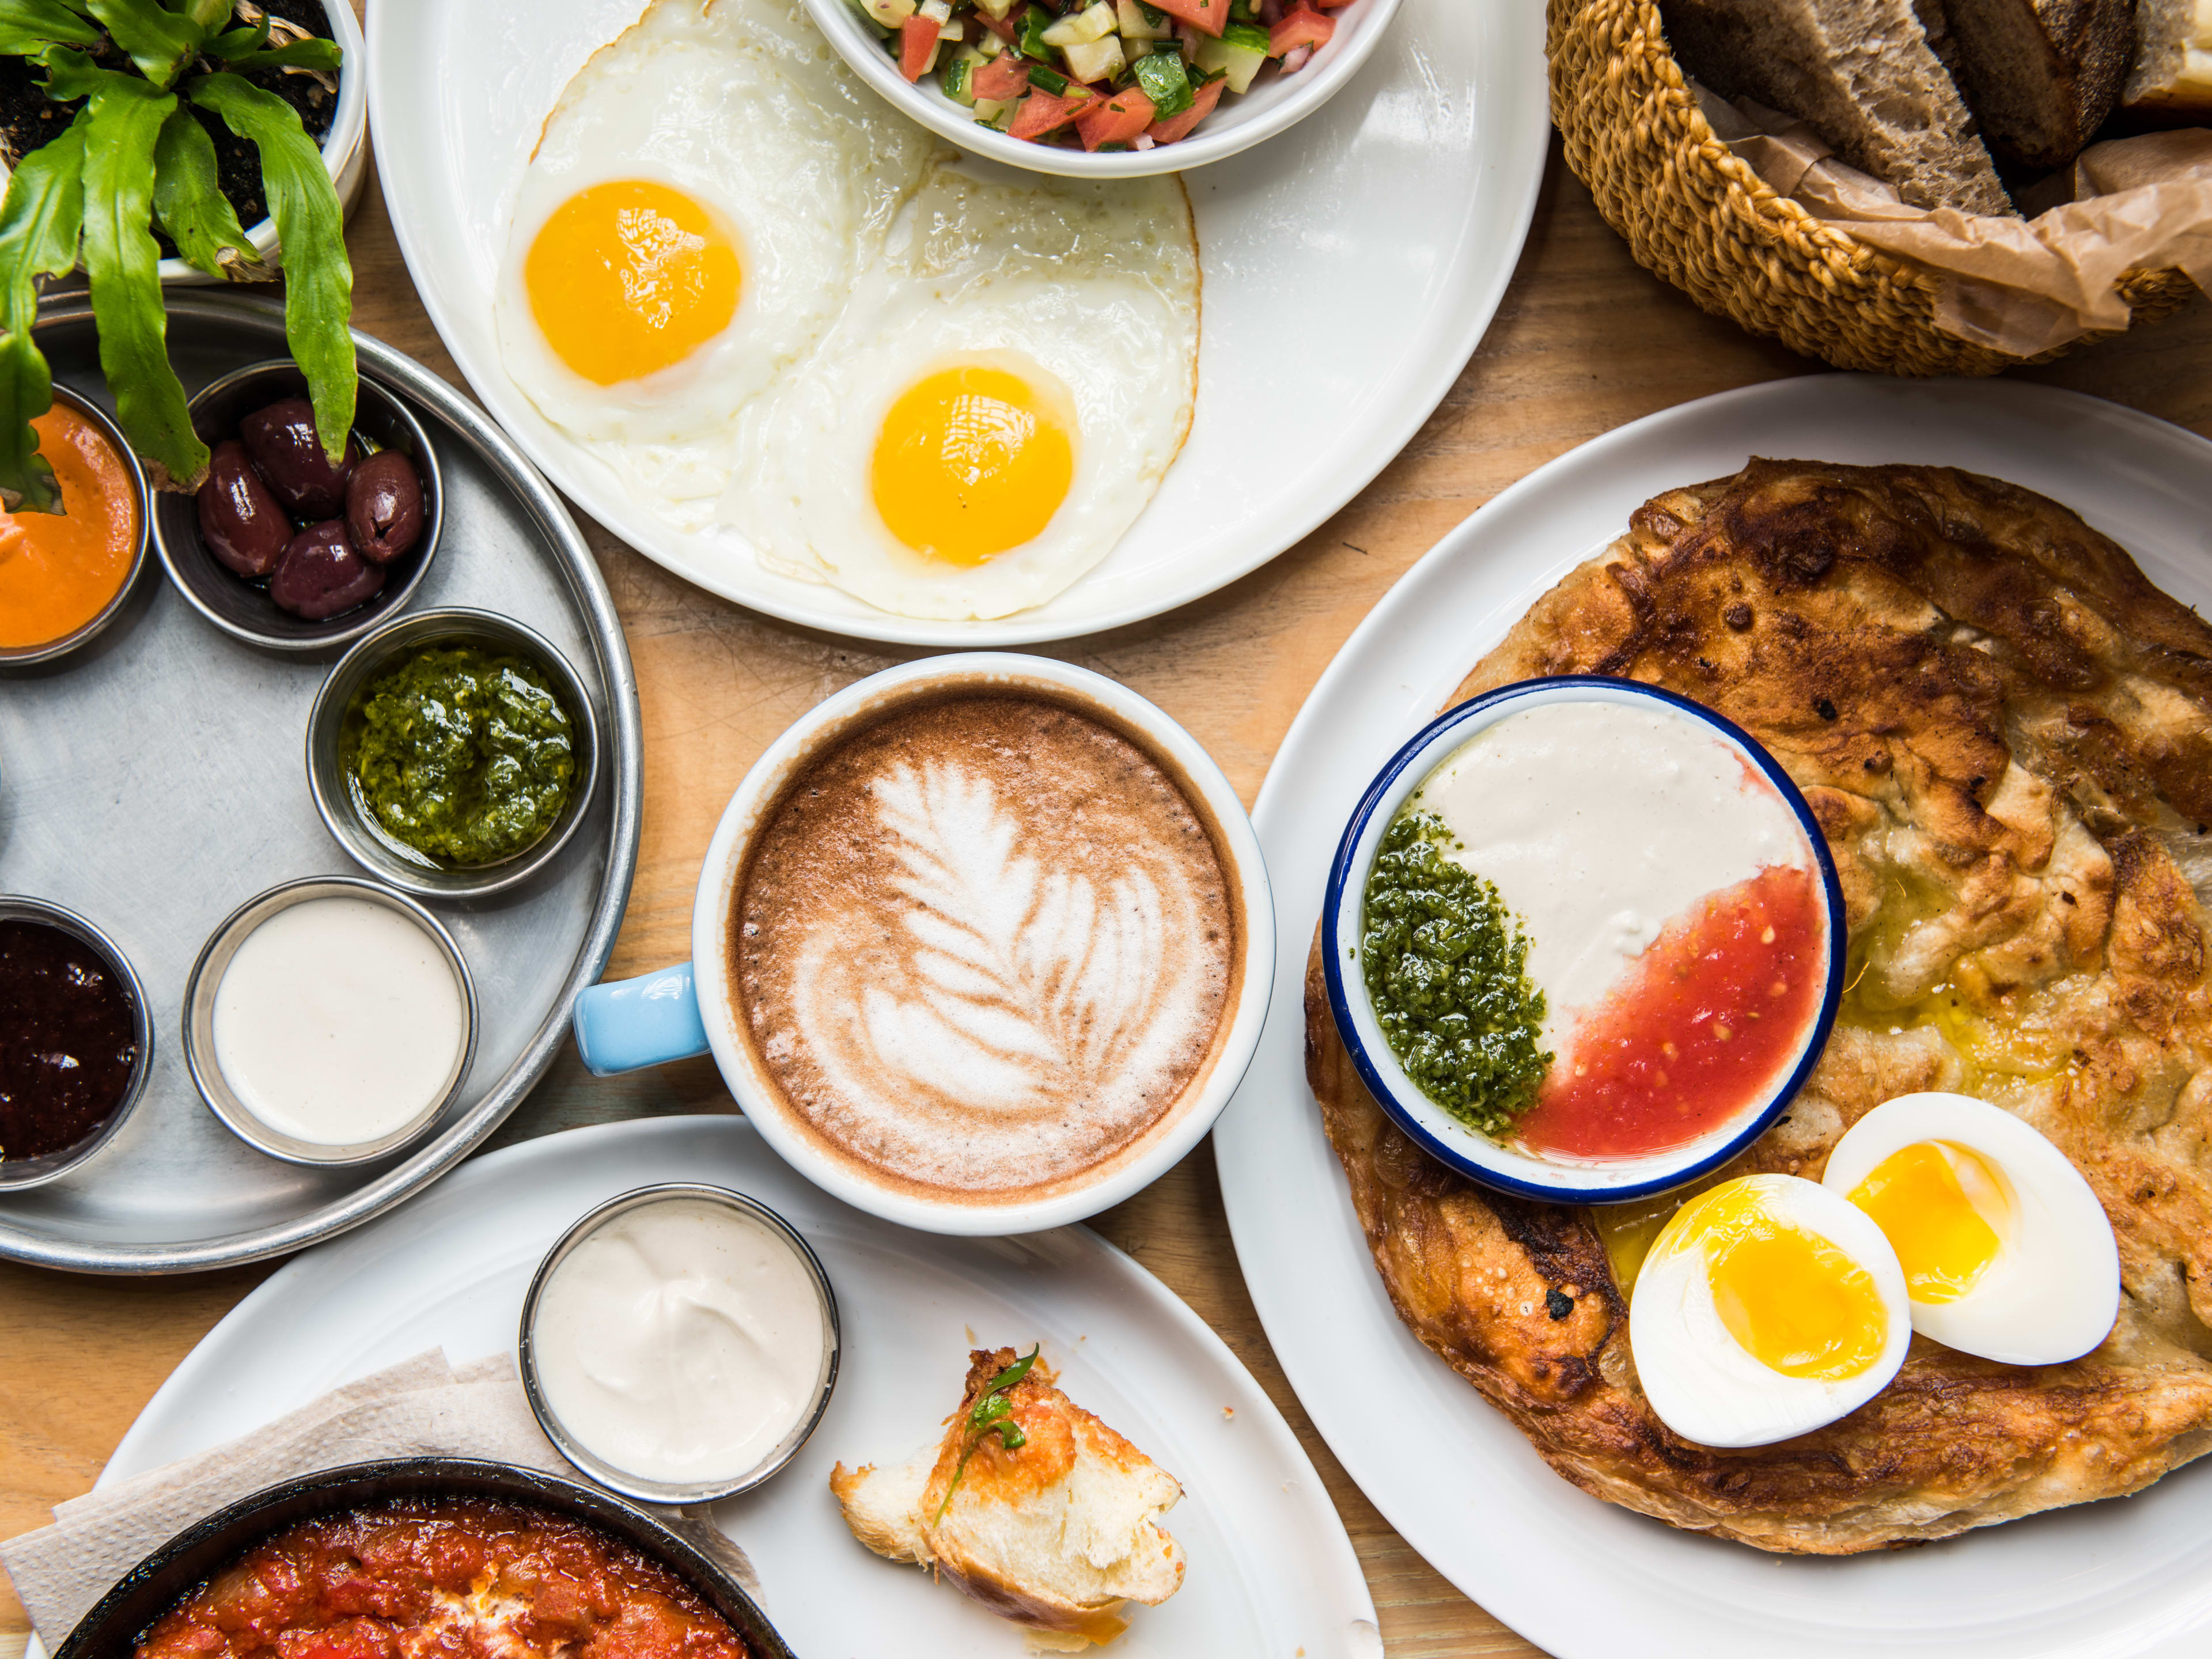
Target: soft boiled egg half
[[2006, 1251], [1768, 1307]]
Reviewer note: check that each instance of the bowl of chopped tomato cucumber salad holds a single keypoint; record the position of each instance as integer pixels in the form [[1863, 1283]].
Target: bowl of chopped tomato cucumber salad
[[1105, 88]]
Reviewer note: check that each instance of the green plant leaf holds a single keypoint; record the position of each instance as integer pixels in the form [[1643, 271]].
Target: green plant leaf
[[40, 222], [27, 28], [301, 54], [236, 43], [189, 202], [122, 126], [311, 228], [158, 41], [70, 74], [205, 15]]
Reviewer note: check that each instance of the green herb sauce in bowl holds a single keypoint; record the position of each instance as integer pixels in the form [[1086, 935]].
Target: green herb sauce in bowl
[[463, 753]]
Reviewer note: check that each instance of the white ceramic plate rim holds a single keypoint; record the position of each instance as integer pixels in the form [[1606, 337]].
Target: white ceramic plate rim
[[1235, 125], [2132, 1577], [1331, 1586], [1480, 252]]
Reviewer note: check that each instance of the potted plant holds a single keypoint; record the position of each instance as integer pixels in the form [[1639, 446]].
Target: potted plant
[[146, 87]]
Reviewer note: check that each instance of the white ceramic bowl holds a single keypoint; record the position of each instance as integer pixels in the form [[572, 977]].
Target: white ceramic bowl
[[1555, 1180], [1275, 102], [345, 146]]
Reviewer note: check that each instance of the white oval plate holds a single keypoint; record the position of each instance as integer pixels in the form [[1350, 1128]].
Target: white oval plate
[[1351, 264], [1577, 1576], [1271, 1571]]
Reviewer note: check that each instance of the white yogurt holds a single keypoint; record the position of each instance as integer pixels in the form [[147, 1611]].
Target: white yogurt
[[339, 1021], [680, 1342], [1598, 822]]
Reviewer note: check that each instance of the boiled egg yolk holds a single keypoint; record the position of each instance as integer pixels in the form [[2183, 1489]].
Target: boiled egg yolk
[[626, 278], [1794, 1302], [971, 461], [1935, 1200]]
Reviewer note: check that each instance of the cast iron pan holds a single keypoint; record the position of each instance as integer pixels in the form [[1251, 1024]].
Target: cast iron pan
[[112, 1629]]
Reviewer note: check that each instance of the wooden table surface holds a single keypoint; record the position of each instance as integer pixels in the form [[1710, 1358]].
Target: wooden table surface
[[1583, 342]]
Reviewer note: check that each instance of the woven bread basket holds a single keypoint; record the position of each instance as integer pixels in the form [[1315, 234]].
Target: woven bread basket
[[1701, 218]]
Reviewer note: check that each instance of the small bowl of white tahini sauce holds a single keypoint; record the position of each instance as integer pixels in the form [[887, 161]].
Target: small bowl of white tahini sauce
[[679, 1343], [329, 1021]]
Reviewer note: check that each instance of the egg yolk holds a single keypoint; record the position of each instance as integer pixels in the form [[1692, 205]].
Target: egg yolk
[[970, 462], [627, 278], [1796, 1303], [1934, 1199]]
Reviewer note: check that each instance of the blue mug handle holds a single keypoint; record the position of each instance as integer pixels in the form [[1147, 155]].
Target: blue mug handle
[[630, 1024]]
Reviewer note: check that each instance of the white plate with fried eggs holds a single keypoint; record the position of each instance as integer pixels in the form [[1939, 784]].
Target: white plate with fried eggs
[[1162, 384]]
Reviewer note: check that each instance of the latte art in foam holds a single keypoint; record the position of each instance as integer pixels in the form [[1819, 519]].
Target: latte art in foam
[[985, 946]]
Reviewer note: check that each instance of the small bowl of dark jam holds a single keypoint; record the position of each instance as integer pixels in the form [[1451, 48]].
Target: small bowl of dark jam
[[452, 753], [283, 549], [75, 1044]]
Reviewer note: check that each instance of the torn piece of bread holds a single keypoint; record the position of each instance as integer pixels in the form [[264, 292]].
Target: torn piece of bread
[[1861, 73], [2172, 73], [2041, 75], [1056, 1533]]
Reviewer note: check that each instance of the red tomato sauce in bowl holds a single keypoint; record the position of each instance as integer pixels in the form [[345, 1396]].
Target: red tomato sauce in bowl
[[443, 1579], [1697, 1032]]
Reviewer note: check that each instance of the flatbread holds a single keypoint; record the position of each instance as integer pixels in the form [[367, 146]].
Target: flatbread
[[2006, 731]]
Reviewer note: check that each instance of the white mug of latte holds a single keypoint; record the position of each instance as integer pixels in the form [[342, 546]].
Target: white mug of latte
[[982, 944]]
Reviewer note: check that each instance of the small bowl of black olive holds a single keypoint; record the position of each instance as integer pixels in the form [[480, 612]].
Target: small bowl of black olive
[[284, 547], [452, 753]]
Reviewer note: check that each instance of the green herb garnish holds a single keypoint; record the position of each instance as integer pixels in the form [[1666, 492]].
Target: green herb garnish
[[1446, 968], [991, 1411]]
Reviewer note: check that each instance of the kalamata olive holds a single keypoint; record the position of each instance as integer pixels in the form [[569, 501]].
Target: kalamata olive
[[281, 440], [321, 574], [384, 506], [240, 520]]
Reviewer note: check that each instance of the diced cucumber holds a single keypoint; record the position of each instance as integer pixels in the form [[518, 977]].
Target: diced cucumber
[[959, 72], [1081, 27], [888, 14], [995, 112], [1129, 17], [1095, 60], [1161, 74], [989, 44], [1048, 80], [938, 11], [860, 9], [998, 8], [1035, 22], [1238, 54]]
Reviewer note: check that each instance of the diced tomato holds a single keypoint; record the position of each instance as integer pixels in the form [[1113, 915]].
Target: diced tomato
[[1179, 126], [1207, 17], [1117, 119], [1006, 30], [1302, 28], [1041, 112], [917, 45], [1004, 76]]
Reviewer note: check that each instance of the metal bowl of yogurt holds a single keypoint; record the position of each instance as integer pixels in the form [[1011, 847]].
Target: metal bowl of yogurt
[[1604, 950], [679, 1343]]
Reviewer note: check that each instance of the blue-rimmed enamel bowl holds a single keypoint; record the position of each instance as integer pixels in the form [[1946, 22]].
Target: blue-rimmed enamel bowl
[[1548, 1179]]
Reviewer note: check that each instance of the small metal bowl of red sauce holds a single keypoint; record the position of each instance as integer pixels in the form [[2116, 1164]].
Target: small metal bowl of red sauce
[[76, 1042], [1584, 939]]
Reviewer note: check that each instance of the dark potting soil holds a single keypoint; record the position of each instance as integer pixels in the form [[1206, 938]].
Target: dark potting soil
[[28, 118]]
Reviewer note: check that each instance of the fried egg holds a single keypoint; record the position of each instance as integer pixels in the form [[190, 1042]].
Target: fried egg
[[2006, 1251], [997, 405], [700, 206], [1767, 1307], [796, 329]]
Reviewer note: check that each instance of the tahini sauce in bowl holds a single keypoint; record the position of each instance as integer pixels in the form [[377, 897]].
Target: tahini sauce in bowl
[[679, 1343]]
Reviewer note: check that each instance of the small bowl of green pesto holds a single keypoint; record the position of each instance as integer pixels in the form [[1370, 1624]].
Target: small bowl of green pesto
[[1584, 939], [452, 753]]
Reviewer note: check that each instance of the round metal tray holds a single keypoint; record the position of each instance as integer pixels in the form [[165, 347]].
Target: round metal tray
[[156, 778]]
